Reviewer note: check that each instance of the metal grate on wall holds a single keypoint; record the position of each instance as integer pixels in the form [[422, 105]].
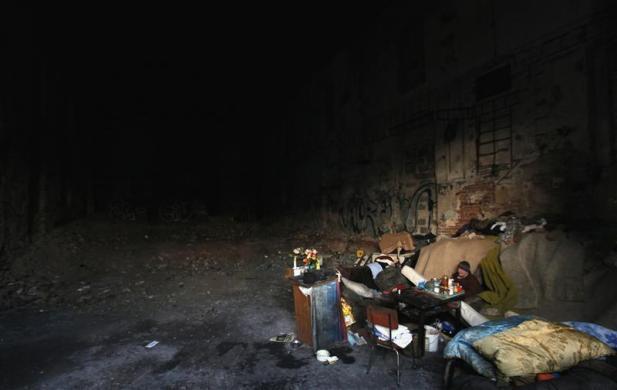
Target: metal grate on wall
[[494, 141]]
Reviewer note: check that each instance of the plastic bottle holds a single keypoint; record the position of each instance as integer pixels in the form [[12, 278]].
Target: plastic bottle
[[447, 328]]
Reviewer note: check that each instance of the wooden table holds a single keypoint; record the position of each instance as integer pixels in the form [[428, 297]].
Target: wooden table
[[319, 318], [423, 304]]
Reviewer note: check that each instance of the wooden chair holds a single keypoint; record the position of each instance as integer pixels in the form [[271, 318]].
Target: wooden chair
[[388, 318]]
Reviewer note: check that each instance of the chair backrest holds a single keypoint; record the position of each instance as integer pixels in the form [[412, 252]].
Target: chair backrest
[[383, 316]]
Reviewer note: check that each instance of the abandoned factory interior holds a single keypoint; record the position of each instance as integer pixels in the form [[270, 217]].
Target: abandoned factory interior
[[309, 195]]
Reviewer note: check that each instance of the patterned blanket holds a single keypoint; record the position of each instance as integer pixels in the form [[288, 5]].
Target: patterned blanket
[[461, 346]]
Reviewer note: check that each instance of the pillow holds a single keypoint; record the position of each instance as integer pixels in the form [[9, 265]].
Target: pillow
[[537, 346], [460, 346]]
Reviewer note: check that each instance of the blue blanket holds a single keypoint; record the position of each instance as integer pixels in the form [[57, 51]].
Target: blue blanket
[[607, 336]]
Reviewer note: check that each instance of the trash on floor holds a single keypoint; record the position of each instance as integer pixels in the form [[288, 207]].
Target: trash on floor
[[151, 344], [283, 338], [332, 359], [355, 339], [323, 356], [347, 313]]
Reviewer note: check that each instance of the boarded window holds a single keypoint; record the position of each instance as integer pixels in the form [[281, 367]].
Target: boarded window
[[494, 82]]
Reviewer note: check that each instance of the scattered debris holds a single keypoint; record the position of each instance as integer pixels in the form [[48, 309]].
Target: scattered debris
[[354, 338], [151, 344], [332, 359], [322, 355], [283, 338]]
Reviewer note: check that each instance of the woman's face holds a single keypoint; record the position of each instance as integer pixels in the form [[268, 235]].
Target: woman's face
[[462, 273]]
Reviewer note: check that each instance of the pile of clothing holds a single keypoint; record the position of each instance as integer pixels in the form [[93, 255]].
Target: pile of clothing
[[507, 226]]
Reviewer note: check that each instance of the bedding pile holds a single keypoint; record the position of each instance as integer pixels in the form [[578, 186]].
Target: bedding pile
[[523, 346]]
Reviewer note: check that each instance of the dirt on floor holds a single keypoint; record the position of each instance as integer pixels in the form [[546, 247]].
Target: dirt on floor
[[80, 305]]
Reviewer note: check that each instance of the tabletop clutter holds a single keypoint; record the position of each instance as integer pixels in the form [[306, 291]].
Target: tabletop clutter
[[445, 286]]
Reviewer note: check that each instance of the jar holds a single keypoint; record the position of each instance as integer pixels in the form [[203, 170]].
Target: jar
[[444, 281]]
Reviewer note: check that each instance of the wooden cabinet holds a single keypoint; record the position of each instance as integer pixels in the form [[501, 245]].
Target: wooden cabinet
[[319, 319]]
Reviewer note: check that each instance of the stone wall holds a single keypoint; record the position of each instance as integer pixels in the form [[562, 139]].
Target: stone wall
[[485, 114]]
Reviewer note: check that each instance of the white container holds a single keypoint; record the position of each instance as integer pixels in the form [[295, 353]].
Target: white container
[[322, 355], [431, 339]]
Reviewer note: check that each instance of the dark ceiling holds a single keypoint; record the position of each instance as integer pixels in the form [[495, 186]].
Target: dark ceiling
[[169, 61], [159, 90]]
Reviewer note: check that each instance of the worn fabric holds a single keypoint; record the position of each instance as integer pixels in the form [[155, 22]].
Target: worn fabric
[[546, 266], [442, 257], [375, 269], [360, 288], [485, 227], [389, 278], [470, 315], [461, 346], [537, 346], [392, 241], [361, 274], [607, 336], [512, 230], [500, 290]]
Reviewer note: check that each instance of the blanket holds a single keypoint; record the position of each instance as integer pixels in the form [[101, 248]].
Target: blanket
[[607, 336], [501, 291], [461, 346], [442, 257]]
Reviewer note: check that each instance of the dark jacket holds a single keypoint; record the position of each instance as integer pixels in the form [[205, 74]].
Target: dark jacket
[[470, 284]]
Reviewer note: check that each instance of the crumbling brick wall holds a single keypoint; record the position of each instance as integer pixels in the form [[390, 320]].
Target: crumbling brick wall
[[530, 146]]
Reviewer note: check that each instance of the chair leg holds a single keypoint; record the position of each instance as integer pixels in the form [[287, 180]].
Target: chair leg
[[370, 358], [398, 371], [447, 377]]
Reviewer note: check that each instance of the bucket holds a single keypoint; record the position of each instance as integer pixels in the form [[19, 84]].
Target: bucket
[[431, 340]]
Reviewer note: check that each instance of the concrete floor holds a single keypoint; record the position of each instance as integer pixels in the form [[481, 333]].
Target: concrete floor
[[63, 350], [212, 324]]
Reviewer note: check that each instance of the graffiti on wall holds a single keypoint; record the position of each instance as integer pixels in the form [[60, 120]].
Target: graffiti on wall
[[390, 211], [364, 213]]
